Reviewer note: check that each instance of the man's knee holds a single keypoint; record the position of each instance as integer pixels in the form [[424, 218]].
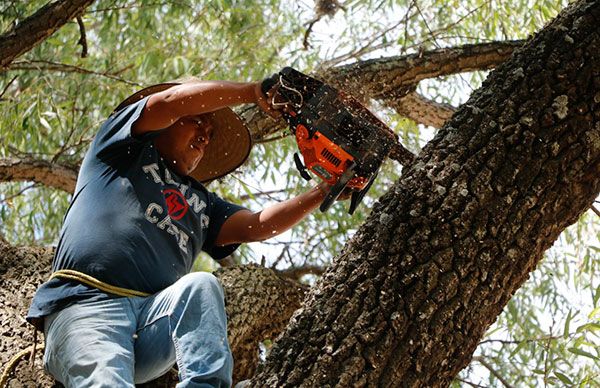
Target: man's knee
[[201, 284], [88, 351]]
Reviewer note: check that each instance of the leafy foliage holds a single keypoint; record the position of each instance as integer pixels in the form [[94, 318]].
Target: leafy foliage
[[52, 101]]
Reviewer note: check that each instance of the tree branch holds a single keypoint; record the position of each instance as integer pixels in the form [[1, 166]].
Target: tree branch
[[55, 175], [493, 371], [383, 77], [471, 383], [37, 27], [391, 79], [82, 40], [422, 110], [10, 197], [65, 68], [7, 86]]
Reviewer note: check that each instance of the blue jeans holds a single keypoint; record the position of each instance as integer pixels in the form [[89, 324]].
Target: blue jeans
[[129, 340]]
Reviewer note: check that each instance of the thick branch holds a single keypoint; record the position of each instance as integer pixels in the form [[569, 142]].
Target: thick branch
[[251, 292], [385, 77], [49, 174], [390, 79], [422, 110], [444, 250], [37, 27]]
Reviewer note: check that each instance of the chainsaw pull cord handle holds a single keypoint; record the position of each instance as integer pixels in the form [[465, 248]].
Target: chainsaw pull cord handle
[[283, 85]]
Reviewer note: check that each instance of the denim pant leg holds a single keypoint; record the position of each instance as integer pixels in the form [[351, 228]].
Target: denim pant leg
[[90, 344], [185, 323]]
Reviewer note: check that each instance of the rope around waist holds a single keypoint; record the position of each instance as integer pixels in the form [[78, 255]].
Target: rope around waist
[[93, 282]]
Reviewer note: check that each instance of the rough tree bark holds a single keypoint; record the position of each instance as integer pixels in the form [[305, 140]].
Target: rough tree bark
[[50, 174], [37, 27], [410, 296], [250, 292]]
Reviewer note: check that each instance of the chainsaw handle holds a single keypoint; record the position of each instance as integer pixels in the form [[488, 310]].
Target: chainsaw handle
[[301, 167], [337, 188], [267, 84], [357, 196]]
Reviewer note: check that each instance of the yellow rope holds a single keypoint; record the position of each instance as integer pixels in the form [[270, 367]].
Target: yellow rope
[[80, 277], [92, 281], [13, 363]]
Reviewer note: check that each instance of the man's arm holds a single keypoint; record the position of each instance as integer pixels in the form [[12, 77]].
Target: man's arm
[[245, 226], [194, 98]]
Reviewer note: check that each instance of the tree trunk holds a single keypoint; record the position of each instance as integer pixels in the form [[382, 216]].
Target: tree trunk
[[38, 27], [251, 292], [410, 296]]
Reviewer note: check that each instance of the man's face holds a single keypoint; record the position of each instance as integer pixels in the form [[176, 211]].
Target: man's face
[[182, 144]]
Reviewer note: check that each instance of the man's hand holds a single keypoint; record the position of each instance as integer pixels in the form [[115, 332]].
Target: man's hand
[[263, 101], [346, 194]]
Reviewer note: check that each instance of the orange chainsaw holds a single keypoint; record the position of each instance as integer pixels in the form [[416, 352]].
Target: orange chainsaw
[[340, 140]]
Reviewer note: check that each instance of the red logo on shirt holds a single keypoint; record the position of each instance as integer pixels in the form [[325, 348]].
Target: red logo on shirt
[[176, 203]]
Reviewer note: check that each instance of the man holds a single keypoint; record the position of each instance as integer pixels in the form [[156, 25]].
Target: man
[[121, 306]]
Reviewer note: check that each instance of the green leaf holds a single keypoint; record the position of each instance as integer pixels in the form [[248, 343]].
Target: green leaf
[[564, 378], [588, 327], [518, 348], [583, 353], [567, 325]]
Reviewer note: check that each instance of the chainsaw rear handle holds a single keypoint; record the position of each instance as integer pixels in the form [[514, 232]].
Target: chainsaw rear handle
[[268, 83]]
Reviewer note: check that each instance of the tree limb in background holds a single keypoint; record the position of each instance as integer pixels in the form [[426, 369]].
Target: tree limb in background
[[55, 175], [422, 110], [8, 199], [493, 371], [390, 79], [378, 78], [43, 65], [82, 40], [37, 27], [322, 8], [6, 87]]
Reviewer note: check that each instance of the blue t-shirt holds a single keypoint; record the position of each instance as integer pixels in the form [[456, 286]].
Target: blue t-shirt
[[132, 222]]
